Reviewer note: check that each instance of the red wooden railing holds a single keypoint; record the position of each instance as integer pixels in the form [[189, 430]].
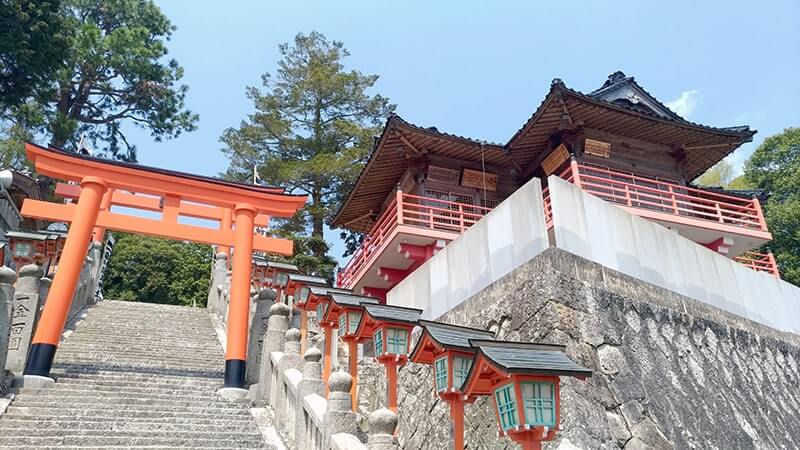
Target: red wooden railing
[[670, 198], [762, 262], [416, 211], [663, 196]]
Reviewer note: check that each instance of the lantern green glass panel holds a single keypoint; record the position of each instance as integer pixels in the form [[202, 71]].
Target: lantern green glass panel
[[342, 324], [302, 296], [282, 279], [540, 404], [353, 320], [397, 341], [321, 307], [440, 370], [378, 340], [506, 406], [461, 366]]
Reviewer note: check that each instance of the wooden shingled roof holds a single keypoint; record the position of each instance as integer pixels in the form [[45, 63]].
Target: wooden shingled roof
[[388, 161], [702, 146]]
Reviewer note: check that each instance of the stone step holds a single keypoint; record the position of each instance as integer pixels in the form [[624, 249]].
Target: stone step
[[172, 401], [126, 411], [21, 427], [155, 434], [208, 372], [93, 447], [101, 403], [21, 441], [154, 382], [80, 370], [211, 421], [109, 392]]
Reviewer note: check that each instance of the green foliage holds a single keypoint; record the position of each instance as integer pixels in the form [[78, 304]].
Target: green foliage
[[775, 168], [31, 49], [111, 69], [158, 271], [719, 175], [740, 183], [311, 132]]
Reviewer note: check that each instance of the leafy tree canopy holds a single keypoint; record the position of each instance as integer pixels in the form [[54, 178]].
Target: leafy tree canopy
[[31, 48], [311, 132], [112, 70], [156, 270], [719, 175], [775, 168]]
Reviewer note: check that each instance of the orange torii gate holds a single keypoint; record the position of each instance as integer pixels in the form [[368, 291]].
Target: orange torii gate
[[104, 183]]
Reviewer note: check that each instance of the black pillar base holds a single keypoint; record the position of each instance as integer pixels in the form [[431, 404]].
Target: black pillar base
[[234, 373], [40, 360]]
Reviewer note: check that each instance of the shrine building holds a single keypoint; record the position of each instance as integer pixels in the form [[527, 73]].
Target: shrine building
[[422, 188]]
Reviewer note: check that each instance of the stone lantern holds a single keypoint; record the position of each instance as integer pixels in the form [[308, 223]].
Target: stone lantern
[[26, 247], [446, 347], [276, 276], [523, 381], [348, 310], [389, 327]]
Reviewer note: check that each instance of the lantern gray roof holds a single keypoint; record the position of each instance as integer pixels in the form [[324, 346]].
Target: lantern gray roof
[[307, 279], [453, 335], [394, 313], [350, 299], [282, 266], [27, 235], [325, 290], [528, 358]]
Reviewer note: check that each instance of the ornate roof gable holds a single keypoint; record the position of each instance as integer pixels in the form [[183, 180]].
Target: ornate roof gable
[[626, 92]]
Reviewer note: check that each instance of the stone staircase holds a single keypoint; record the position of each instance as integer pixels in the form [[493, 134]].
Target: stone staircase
[[133, 375]]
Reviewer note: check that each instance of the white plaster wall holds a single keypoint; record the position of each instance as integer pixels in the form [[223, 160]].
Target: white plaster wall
[[597, 230], [511, 234]]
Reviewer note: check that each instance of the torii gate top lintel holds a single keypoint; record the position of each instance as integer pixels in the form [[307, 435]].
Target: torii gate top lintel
[[237, 208], [69, 166]]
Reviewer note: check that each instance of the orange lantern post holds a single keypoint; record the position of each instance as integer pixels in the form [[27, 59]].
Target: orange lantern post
[[27, 247], [305, 300], [524, 381], [348, 310], [389, 327], [446, 347]]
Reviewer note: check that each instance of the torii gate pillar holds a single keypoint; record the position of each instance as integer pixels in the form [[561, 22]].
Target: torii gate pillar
[[54, 316], [239, 309]]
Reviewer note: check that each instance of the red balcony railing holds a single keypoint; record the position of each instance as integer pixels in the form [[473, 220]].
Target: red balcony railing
[[663, 196], [762, 262], [415, 211]]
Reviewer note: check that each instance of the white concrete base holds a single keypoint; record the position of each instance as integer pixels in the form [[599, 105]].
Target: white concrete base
[[34, 382], [232, 394]]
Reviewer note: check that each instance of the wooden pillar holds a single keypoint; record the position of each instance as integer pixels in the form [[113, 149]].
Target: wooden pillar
[[326, 354], [391, 386], [303, 330], [530, 444], [457, 418], [239, 308], [54, 316], [576, 176], [352, 345], [224, 225], [105, 205]]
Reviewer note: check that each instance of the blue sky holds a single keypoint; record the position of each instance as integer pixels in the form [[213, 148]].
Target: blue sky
[[480, 69]]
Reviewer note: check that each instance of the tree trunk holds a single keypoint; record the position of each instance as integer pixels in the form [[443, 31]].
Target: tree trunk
[[317, 222]]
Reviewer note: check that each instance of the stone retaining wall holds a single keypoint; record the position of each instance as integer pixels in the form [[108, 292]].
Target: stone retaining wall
[[670, 372]]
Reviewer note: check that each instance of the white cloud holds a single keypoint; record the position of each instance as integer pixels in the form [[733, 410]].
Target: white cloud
[[685, 104]]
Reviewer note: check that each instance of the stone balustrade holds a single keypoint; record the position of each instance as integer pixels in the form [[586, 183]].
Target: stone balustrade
[[296, 394]]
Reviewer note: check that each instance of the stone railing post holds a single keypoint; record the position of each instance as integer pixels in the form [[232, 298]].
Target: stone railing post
[[277, 325], [339, 416], [44, 289], [382, 427], [7, 279], [226, 296], [24, 312], [217, 279], [311, 383], [258, 330], [291, 360]]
